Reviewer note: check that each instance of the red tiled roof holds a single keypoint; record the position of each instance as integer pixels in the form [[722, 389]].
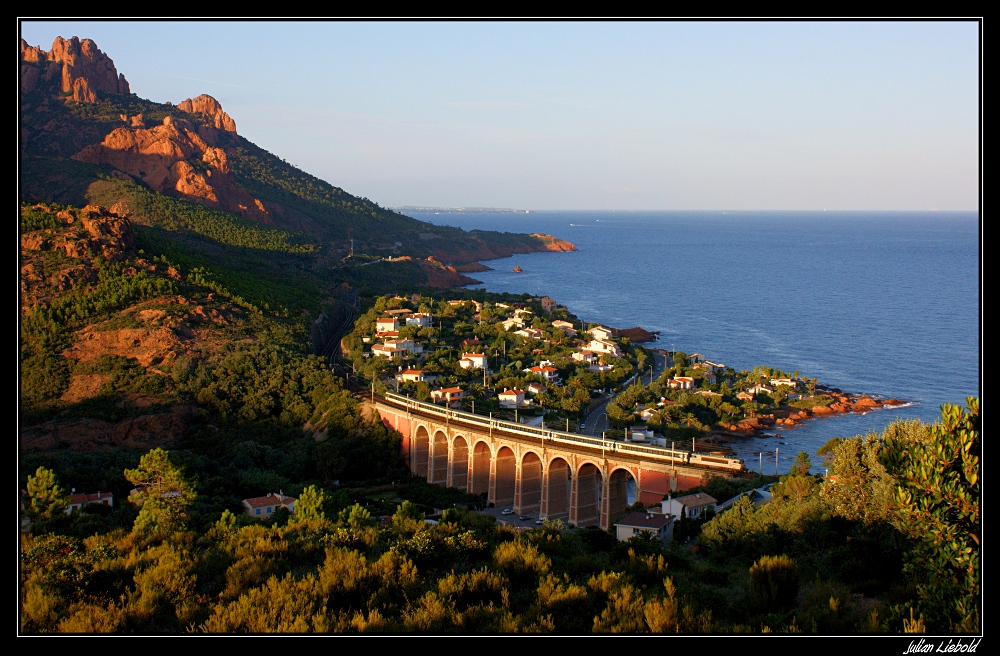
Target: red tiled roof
[[259, 502], [83, 497]]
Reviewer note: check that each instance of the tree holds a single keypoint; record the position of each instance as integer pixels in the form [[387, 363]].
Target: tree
[[310, 504], [47, 498], [802, 464], [680, 361], [162, 493], [938, 501]]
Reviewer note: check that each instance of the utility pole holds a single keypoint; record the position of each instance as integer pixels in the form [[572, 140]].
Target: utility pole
[[775, 461]]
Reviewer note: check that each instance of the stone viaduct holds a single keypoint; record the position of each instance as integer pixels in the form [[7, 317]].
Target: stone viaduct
[[582, 480]]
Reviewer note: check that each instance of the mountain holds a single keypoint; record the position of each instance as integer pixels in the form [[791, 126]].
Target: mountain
[[177, 281], [85, 138]]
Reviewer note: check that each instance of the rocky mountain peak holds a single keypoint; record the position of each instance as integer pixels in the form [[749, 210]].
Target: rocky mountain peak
[[209, 106], [83, 68]]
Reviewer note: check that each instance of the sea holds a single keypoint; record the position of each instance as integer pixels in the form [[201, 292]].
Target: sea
[[884, 303]]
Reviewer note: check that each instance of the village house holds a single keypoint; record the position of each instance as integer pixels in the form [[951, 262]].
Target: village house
[[693, 505], [681, 382], [601, 368], [588, 357], [264, 507], [386, 324], [398, 313], [548, 304], [412, 376], [760, 389], [784, 381], [659, 525], [549, 374], [386, 351], [513, 399], [744, 396], [564, 326], [694, 359], [76, 501], [421, 320], [605, 346], [473, 361], [709, 377], [648, 413], [450, 395], [535, 388], [470, 343], [407, 345], [601, 333], [515, 321], [530, 333], [713, 366]]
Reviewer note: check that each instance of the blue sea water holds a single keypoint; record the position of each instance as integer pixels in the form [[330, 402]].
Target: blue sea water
[[884, 303]]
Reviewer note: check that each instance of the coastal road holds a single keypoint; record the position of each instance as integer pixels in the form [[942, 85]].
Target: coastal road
[[597, 421]]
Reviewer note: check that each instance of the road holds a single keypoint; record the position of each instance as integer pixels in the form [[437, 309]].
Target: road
[[597, 421]]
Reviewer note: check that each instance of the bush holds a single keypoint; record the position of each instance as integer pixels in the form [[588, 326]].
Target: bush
[[774, 582]]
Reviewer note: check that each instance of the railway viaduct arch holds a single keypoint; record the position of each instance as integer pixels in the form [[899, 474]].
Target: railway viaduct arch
[[581, 483]]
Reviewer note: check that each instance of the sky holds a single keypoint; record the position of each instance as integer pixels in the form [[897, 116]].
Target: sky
[[623, 115]]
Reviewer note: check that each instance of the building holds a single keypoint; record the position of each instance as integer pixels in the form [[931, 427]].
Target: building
[[264, 507], [407, 345], [386, 351], [530, 333], [548, 304], [564, 326], [515, 321], [450, 395], [78, 501], [548, 374], [784, 381], [691, 506], [513, 399], [659, 525], [681, 382], [421, 320], [386, 324], [760, 389], [601, 368], [535, 388], [601, 333], [605, 346], [413, 375], [585, 356], [473, 361]]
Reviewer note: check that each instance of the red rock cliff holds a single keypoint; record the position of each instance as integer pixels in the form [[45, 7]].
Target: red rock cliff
[[83, 68]]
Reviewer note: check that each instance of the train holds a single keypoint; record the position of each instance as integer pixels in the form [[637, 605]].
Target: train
[[678, 456]]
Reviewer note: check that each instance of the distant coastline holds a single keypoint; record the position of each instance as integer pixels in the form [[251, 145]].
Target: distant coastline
[[458, 210]]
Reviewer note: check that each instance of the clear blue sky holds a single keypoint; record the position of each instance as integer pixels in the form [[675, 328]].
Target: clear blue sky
[[586, 115]]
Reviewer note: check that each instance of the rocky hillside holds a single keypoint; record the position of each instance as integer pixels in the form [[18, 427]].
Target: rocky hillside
[[81, 126]]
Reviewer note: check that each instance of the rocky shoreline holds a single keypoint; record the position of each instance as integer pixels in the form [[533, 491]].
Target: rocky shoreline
[[787, 417]]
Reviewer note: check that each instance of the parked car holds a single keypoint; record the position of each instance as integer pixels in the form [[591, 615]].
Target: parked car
[[508, 511], [524, 518]]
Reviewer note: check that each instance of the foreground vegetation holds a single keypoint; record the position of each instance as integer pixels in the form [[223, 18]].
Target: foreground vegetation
[[858, 553]]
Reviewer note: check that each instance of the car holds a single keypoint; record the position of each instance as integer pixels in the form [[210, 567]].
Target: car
[[524, 518], [507, 512], [539, 521], [583, 425]]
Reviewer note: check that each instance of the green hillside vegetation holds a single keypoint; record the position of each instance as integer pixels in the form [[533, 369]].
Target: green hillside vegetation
[[801, 564]]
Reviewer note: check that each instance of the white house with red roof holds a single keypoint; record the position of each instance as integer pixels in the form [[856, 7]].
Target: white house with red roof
[[386, 324], [681, 383], [450, 395], [264, 507], [513, 399], [413, 376], [473, 361], [77, 501], [548, 374]]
